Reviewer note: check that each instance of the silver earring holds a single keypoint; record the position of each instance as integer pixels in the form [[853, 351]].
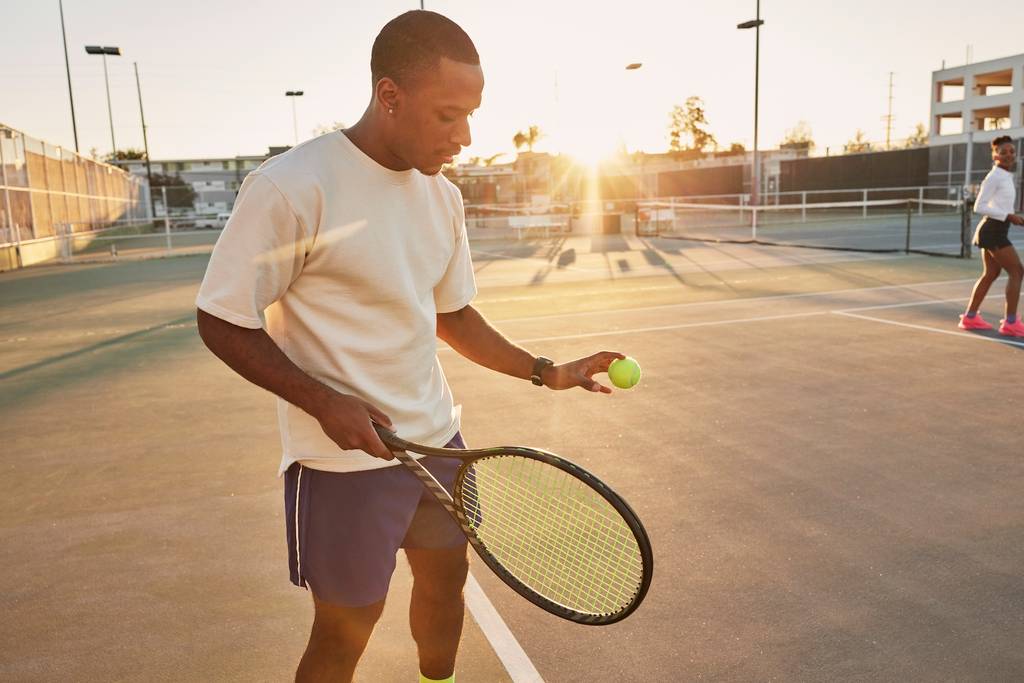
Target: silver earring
[[391, 111]]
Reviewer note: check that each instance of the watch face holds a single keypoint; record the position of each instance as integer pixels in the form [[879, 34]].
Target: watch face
[[538, 368]]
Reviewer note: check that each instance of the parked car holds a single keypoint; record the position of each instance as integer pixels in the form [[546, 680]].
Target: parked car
[[216, 222]]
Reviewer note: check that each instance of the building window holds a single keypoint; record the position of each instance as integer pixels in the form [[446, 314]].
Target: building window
[[993, 118], [950, 91], [994, 83], [949, 124]]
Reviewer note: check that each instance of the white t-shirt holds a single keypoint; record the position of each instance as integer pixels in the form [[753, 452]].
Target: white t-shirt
[[348, 263], [997, 195]]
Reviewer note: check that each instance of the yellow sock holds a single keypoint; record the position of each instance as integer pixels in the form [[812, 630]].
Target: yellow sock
[[424, 679]]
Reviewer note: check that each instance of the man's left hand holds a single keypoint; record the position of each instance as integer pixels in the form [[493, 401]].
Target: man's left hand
[[580, 372]]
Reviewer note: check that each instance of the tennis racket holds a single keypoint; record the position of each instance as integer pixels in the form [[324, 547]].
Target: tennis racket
[[552, 531]]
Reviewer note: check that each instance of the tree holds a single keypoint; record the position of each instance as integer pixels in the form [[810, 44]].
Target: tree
[[919, 137], [323, 129], [686, 130], [798, 137], [126, 154], [735, 148], [858, 143], [527, 139], [179, 193]]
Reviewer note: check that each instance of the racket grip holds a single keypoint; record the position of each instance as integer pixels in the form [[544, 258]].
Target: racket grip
[[390, 438]]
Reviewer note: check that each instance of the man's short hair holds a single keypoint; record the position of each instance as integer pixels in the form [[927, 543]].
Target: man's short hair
[[1001, 140], [416, 41]]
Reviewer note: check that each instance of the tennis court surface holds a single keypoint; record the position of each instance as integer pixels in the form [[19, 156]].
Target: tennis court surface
[[829, 470]]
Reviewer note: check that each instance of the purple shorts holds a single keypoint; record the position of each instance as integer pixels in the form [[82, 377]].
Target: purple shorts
[[350, 526]]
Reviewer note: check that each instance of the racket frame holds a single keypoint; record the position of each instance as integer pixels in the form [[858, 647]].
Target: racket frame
[[453, 504]]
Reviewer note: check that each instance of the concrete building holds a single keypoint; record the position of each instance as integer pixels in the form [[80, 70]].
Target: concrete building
[[974, 103], [986, 98], [215, 181]]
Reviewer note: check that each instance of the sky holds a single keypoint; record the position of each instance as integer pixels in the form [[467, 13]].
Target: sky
[[214, 72]]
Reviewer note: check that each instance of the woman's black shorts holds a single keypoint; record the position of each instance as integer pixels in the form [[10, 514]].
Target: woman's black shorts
[[992, 234]]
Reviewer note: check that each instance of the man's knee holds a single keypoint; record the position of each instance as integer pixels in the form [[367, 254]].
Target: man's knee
[[439, 574], [344, 627]]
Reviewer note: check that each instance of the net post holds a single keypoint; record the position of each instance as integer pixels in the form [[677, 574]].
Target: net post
[[864, 199], [803, 206], [910, 212], [965, 230], [17, 245], [920, 201], [65, 242], [167, 217]]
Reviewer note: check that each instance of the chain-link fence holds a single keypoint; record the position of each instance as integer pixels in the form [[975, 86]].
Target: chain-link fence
[[44, 187]]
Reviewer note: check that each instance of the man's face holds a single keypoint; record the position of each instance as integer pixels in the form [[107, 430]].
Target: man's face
[[432, 114], [1005, 155]]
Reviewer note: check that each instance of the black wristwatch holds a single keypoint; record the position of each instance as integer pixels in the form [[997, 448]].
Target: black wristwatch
[[538, 368]]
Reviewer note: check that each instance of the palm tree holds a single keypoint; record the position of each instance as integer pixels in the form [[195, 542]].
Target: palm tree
[[527, 139], [858, 143]]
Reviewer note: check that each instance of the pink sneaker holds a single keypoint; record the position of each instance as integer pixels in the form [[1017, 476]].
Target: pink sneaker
[[1014, 329], [975, 323]]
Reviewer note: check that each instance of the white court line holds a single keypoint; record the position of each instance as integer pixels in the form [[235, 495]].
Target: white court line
[[508, 649], [697, 267], [962, 335], [662, 328], [720, 302], [923, 302]]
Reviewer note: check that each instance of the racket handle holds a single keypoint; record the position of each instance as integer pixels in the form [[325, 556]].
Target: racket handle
[[390, 438]]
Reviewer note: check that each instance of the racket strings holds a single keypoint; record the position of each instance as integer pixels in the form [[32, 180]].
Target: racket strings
[[585, 585], [554, 533]]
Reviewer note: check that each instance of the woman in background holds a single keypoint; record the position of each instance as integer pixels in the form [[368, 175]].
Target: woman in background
[[996, 202]]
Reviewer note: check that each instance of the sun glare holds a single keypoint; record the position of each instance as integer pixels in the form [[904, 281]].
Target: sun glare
[[590, 152]]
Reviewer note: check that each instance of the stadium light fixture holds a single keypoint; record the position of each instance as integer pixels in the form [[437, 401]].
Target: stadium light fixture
[[756, 24], [104, 51], [295, 120]]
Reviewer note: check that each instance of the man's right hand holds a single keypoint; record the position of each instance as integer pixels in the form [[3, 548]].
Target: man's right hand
[[347, 421]]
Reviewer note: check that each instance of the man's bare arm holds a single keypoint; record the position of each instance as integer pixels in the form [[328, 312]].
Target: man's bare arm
[[469, 333], [254, 355]]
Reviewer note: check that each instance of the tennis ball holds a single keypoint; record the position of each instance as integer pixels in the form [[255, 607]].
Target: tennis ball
[[624, 372]]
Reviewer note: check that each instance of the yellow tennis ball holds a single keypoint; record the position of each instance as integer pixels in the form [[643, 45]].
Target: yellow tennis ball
[[624, 372]]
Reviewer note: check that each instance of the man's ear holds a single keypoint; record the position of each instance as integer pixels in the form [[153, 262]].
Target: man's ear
[[386, 94]]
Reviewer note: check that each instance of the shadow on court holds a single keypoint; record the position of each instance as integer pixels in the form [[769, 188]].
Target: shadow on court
[[829, 471]]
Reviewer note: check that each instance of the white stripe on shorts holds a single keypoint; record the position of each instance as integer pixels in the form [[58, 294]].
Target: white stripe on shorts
[[298, 555]]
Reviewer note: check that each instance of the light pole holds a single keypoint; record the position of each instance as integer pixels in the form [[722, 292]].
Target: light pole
[[145, 144], [67, 66], [629, 67], [116, 51], [756, 23], [633, 67], [295, 121]]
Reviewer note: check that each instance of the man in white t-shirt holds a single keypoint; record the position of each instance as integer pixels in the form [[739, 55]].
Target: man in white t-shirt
[[344, 260]]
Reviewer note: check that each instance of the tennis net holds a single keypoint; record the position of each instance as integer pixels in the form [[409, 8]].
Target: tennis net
[[924, 226], [517, 222], [143, 239]]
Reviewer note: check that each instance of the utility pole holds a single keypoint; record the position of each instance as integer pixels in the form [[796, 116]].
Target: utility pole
[[888, 117], [67, 66], [755, 185], [145, 145]]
